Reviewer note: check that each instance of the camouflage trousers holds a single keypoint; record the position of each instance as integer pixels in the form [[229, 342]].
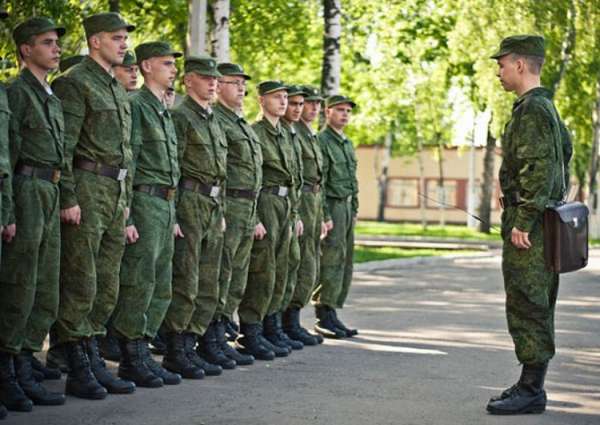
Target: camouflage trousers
[[29, 270], [91, 258], [196, 264], [311, 214], [267, 275], [240, 215], [146, 269], [336, 261], [293, 267], [531, 293]]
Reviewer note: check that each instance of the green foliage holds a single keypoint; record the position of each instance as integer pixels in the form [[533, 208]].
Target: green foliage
[[373, 228]]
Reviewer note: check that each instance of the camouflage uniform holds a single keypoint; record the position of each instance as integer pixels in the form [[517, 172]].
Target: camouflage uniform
[[202, 157], [146, 267], [534, 151], [244, 178], [269, 258], [5, 169], [341, 205], [29, 272], [311, 214], [97, 153]]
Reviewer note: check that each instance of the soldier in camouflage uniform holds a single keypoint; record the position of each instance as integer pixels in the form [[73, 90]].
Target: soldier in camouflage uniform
[[146, 266], [127, 72], [536, 153], [311, 214], [268, 268], [244, 178], [93, 204], [340, 188], [29, 270], [197, 260]]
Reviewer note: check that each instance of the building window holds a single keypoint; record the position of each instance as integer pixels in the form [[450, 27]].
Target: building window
[[445, 195], [403, 193]]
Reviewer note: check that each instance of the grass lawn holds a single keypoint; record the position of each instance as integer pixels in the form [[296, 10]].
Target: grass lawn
[[373, 228], [363, 254]]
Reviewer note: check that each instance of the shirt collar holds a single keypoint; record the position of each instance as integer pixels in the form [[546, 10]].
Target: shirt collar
[[99, 72], [537, 91], [196, 107], [31, 80]]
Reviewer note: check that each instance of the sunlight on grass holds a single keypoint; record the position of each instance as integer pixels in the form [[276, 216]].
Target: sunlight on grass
[[373, 228], [363, 254]]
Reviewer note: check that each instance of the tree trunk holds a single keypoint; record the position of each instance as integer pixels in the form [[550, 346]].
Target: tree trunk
[[441, 195], [471, 222], [592, 198], [332, 62], [196, 36], [567, 46], [382, 180], [220, 38], [114, 6], [487, 185], [422, 200]]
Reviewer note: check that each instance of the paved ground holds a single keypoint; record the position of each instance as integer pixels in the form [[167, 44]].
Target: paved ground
[[433, 348]]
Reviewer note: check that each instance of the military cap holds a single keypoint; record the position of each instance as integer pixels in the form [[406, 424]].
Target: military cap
[[203, 65], [34, 26], [296, 90], [338, 99], [234, 69], [312, 94], [128, 59], [69, 61], [530, 45], [105, 22], [154, 49], [270, 86]]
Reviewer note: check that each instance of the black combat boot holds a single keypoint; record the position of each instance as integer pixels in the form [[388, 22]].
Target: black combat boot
[[338, 324], [507, 392], [325, 324], [132, 366], [176, 360], [158, 345], [45, 371], [290, 342], [11, 393], [109, 346], [32, 388], [232, 330], [168, 378], [228, 350], [209, 369], [81, 382], [210, 350], [292, 327], [113, 384], [528, 396], [250, 344], [3, 412], [56, 358], [273, 337]]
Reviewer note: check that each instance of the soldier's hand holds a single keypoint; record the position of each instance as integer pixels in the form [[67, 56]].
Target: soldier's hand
[[259, 232], [223, 225], [329, 225], [9, 232], [324, 230], [299, 228], [71, 215], [520, 239], [131, 234], [177, 231]]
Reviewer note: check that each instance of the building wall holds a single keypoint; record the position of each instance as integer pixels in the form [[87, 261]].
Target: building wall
[[404, 202]]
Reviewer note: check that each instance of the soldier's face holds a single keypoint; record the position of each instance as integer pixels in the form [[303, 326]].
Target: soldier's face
[[161, 70], [339, 115], [232, 90], [127, 76], [202, 86], [111, 45], [311, 111], [275, 103], [508, 72], [43, 52], [294, 108]]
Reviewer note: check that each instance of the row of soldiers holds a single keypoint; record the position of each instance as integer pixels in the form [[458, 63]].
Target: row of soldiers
[[145, 221]]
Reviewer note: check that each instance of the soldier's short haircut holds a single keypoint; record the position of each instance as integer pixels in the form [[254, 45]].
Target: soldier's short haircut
[[29, 42], [534, 63]]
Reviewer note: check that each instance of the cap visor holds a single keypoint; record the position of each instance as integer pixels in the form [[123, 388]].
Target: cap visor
[[499, 54], [349, 102], [208, 73], [127, 27], [274, 90], [314, 98]]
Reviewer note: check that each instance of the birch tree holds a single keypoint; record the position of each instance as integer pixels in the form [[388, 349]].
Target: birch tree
[[332, 60], [196, 34], [220, 33]]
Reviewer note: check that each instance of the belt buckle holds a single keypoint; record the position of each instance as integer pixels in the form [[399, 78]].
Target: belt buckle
[[214, 191], [282, 191], [316, 188], [55, 176], [171, 191], [122, 174]]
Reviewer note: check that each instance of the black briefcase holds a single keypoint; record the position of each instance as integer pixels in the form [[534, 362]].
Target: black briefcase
[[566, 237]]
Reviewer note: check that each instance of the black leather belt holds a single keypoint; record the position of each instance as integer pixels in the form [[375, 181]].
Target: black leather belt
[[1, 184], [104, 170], [282, 191], [510, 200], [314, 188], [241, 193], [49, 174], [164, 192], [194, 185]]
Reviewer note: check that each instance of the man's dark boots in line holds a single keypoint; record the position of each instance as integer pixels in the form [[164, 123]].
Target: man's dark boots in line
[[528, 396]]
